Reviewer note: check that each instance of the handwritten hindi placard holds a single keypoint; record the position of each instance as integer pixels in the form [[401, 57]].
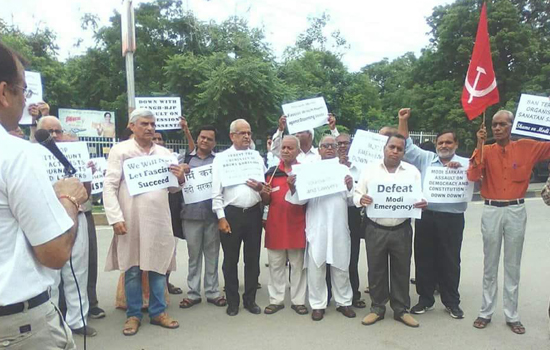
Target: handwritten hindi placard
[[366, 147], [394, 200], [98, 177], [75, 152], [198, 185], [320, 178], [150, 173], [533, 117], [34, 84], [239, 166], [167, 110], [446, 185], [306, 114]]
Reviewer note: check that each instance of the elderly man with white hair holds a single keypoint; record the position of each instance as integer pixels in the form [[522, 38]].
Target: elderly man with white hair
[[143, 238]]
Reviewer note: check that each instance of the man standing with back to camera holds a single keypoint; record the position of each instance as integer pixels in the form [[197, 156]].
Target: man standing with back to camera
[[37, 227]]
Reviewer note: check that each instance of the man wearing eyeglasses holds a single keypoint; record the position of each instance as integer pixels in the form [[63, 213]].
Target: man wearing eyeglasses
[[328, 241], [38, 225], [239, 221], [80, 255]]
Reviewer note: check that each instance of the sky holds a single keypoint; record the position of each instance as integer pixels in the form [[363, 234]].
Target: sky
[[374, 29]]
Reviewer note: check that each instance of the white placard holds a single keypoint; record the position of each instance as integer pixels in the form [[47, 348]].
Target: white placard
[[446, 185], [83, 122], [198, 184], [533, 117], [394, 199], [320, 178], [305, 114], [238, 166], [34, 83], [98, 177], [366, 147], [149, 173], [167, 111], [75, 152]]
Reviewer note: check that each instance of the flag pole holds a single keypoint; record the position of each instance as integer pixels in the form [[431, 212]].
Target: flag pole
[[481, 149]]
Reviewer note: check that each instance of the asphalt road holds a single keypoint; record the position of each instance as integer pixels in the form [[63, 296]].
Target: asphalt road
[[205, 326]]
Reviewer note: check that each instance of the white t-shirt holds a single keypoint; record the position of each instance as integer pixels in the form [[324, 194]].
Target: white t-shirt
[[30, 215]]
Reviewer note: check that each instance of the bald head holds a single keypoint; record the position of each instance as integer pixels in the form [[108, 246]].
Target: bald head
[[388, 131], [53, 126]]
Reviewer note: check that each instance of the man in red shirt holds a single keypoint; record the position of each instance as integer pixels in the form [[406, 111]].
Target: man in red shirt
[[285, 237], [504, 169]]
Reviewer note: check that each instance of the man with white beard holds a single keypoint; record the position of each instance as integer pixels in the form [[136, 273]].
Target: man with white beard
[[438, 235]]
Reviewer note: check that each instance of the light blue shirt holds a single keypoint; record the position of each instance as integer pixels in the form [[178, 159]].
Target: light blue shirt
[[423, 159]]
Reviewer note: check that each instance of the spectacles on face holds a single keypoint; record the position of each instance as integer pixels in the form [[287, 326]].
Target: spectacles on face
[[328, 145], [157, 138], [243, 133], [343, 143], [26, 92], [55, 131]]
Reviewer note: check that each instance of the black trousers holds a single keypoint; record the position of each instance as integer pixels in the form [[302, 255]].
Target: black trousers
[[437, 245], [354, 221], [92, 263], [246, 226]]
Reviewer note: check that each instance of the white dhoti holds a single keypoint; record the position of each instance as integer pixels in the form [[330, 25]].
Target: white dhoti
[[79, 257]]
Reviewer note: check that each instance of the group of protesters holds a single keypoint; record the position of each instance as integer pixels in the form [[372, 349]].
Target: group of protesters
[[317, 240]]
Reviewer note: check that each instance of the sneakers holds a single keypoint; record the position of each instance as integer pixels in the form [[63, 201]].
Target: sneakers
[[96, 312], [455, 312], [419, 309], [89, 331]]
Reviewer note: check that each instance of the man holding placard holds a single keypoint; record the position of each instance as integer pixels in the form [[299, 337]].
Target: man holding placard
[[504, 169], [200, 224], [391, 191], [135, 194], [237, 180], [308, 152], [438, 235], [327, 231], [80, 255]]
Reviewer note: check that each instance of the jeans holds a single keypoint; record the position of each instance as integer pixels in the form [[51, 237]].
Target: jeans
[[132, 286]]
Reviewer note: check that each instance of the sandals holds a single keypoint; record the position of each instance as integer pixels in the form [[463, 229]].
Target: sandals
[[516, 327], [131, 326], [359, 303], [165, 321], [186, 303], [273, 308], [219, 301], [173, 289], [300, 309], [481, 322]]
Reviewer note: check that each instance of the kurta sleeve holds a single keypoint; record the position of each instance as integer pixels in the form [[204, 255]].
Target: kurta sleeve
[[477, 167], [540, 150], [293, 198], [111, 185]]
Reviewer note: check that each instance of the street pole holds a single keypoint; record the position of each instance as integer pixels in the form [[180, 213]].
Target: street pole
[[128, 49], [130, 82]]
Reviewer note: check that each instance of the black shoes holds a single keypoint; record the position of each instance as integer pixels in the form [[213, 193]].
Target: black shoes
[[455, 312], [232, 310], [253, 308], [420, 308]]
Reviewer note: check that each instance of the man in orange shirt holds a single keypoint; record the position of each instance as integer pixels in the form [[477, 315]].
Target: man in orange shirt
[[504, 169]]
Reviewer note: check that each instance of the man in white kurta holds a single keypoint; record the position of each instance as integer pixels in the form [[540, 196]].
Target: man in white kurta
[[143, 239], [328, 241]]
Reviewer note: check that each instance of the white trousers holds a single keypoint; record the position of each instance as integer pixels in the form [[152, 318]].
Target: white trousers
[[317, 285], [79, 256], [497, 225], [277, 276]]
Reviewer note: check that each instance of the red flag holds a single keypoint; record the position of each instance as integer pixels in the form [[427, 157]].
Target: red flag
[[480, 88]]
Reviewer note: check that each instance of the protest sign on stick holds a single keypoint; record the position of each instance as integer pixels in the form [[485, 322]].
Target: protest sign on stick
[[305, 114], [75, 152], [150, 173], [239, 166], [394, 199], [167, 110], [446, 185], [320, 178], [198, 184], [34, 84], [533, 117]]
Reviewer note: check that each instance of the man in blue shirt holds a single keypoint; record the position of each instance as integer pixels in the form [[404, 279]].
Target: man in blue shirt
[[438, 235]]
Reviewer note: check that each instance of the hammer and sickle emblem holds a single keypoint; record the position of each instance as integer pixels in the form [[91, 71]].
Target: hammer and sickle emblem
[[479, 93]]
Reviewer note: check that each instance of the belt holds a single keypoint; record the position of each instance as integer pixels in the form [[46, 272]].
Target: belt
[[389, 228], [244, 210], [20, 307], [504, 203]]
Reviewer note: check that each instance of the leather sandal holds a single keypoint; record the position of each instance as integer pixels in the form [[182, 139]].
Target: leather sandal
[[516, 327], [164, 321], [219, 301], [300, 309], [186, 303], [481, 323], [173, 289], [273, 308], [131, 326]]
